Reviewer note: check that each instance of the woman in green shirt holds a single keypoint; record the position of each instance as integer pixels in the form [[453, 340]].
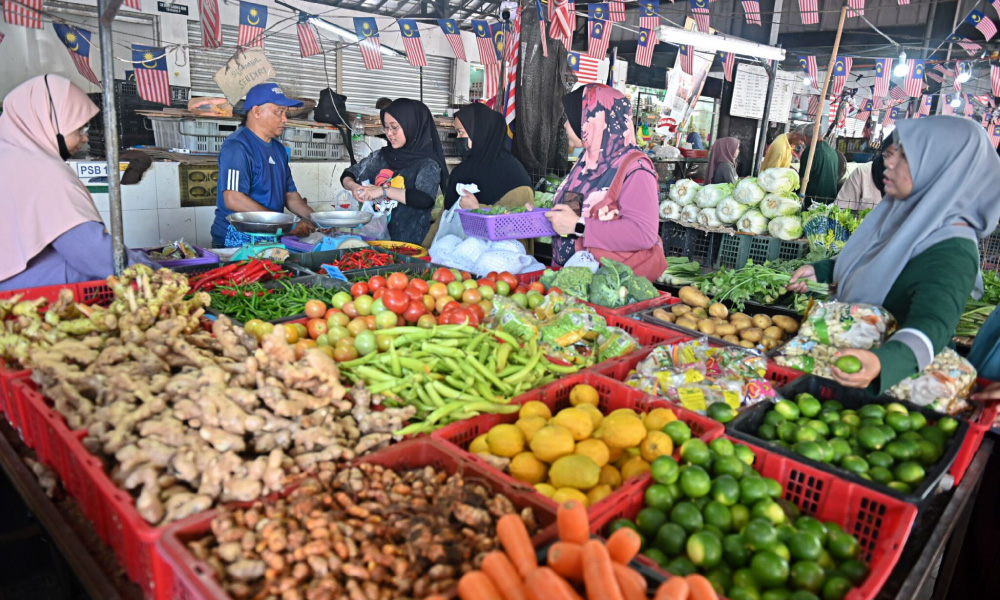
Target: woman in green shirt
[[916, 254]]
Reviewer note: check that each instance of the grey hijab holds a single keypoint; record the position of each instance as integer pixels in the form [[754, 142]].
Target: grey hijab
[[956, 179]]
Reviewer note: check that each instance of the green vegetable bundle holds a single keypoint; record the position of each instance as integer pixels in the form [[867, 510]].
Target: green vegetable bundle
[[255, 301], [758, 283], [499, 210]]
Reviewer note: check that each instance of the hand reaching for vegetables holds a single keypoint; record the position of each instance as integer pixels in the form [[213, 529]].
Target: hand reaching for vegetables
[[563, 219], [871, 367], [468, 201], [798, 281]]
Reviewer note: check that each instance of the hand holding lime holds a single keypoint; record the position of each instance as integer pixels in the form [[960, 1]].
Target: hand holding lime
[[848, 364]]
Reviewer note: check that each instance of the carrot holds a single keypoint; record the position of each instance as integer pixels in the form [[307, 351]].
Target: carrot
[[545, 584], [475, 585], [503, 575], [574, 526], [701, 588], [675, 588], [598, 573], [566, 560], [623, 545], [514, 537], [632, 584]]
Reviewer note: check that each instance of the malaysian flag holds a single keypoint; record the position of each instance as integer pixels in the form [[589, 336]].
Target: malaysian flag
[[883, 71], [971, 48], [151, 73], [947, 108], [253, 20], [487, 53], [308, 44], [903, 2], [866, 110], [896, 92], [813, 108], [934, 76], [542, 11], [27, 13], [644, 49], [617, 10], [571, 9], [491, 81], [728, 61], [994, 133], [133, 4], [996, 6], [995, 77], [808, 64], [890, 116], [211, 25], [925, 105], [686, 54], [699, 9], [751, 10], [915, 78], [841, 70], [368, 42], [856, 8], [410, 33], [513, 43], [968, 110], [77, 41], [649, 15], [809, 11], [451, 32], [600, 30], [560, 18], [584, 67], [982, 23]]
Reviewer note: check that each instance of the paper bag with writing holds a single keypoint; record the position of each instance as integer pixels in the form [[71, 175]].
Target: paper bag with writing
[[244, 70]]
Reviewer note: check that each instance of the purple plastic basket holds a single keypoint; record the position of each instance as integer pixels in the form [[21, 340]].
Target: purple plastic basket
[[204, 257], [517, 226], [292, 243]]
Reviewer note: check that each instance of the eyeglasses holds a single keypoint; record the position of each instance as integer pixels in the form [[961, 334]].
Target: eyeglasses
[[391, 128]]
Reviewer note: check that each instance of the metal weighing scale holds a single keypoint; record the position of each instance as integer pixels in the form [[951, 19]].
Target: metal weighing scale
[[265, 229]]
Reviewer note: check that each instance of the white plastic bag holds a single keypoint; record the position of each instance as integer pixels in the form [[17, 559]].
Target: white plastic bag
[[451, 224], [378, 227]]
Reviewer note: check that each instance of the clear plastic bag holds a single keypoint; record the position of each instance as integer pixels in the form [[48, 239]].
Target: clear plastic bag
[[943, 385]]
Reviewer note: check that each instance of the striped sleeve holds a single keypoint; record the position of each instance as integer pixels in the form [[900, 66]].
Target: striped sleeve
[[234, 169]]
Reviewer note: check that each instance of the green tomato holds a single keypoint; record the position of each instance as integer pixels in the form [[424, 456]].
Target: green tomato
[[336, 333], [340, 299], [455, 289], [520, 299], [363, 304], [385, 320], [470, 284], [377, 307], [503, 288], [487, 292], [365, 343]]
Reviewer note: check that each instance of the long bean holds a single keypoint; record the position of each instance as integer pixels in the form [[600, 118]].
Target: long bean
[[255, 301]]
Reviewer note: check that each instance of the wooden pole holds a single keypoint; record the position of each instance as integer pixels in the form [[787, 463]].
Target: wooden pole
[[822, 101]]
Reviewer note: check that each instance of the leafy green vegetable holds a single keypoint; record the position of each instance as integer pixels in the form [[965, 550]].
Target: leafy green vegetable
[[544, 199], [574, 281], [499, 210], [680, 271], [759, 283], [785, 228]]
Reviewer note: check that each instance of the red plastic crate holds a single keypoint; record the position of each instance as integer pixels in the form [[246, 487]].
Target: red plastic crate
[[191, 579], [7, 404], [613, 395], [645, 333], [88, 292], [881, 523], [974, 438], [780, 375]]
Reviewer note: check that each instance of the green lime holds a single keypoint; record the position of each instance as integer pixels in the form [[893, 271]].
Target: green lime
[[773, 488], [670, 539], [656, 556], [829, 417], [855, 570], [743, 578], [745, 454], [912, 435], [802, 595], [934, 434], [854, 464], [752, 489], [832, 406], [880, 474], [721, 412], [872, 422], [743, 593], [701, 503], [889, 433], [785, 532], [649, 520], [836, 588], [848, 364], [721, 578], [880, 458], [681, 566], [787, 409], [807, 575], [871, 438], [725, 490], [619, 523], [728, 465], [949, 425], [734, 551], [810, 450], [741, 516], [819, 426], [774, 418], [904, 449], [805, 545], [827, 448], [808, 405], [840, 430], [722, 447], [825, 560], [917, 421], [806, 434], [910, 473], [660, 497], [664, 469], [843, 546], [718, 514], [679, 432], [929, 453], [687, 516], [898, 421], [896, 407], [695, 452], [769, 570], [767, 509], [695, 482], [899, 486], [782, 550], [704, 549], [792, 511], [832, 530], [850, 419], [712, 529], [778, 594], [811, 525], [787, 431], [840, 449], [759, 534], [873, 411]]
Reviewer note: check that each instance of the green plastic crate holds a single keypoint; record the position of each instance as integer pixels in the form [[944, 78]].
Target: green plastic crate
[[737, 250]]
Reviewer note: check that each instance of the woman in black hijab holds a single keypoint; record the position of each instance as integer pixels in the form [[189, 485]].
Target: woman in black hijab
[[499, 176], [410, 170]]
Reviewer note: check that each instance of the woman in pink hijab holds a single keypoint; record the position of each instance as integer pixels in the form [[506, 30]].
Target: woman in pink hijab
[[52, 233], [722, 161]]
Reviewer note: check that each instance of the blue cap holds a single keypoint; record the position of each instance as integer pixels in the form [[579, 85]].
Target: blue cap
[[268, 93]]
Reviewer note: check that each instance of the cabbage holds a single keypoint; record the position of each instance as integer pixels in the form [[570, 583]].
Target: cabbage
[[708, 218], [710, 195], [752, 222], [778, 180], [777, 205], [749, 192], [785, 228], [689, 214], [684, 191], [729, 210], [670, 210]]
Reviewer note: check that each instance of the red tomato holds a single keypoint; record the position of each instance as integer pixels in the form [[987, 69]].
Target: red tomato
[[360, 289], [443, 275], [420, 284], [520, 289], [396, 301], [398, 281], [450, 306], [413, 312], [492, 276], [554, 290], [330, 312], [458, 317], [489, 283], [509, 278], [471, 297], [378, 293], [476, 310], [370, 321], [466, 275], [315, 309], [537, 286], [377, 282], [414, 294], [349, 309], [316, 327]]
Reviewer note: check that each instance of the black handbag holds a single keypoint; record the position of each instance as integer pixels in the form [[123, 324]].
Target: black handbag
[[332, 109]]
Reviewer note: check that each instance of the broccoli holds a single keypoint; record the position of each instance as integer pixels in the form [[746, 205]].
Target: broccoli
[[607, 290], [640, 288], [547, 278], [574, 281]]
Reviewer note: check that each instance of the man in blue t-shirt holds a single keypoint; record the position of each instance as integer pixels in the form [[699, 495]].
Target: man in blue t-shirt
[[253, 167]]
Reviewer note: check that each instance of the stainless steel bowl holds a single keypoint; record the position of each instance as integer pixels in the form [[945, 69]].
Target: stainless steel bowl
[[340, 218], [262, 221]]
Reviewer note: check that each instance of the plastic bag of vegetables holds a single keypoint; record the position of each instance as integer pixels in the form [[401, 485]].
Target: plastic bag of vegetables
[[684, 191], [844, 325], [943, 385], [779, 205], [778, 180], [670, 210], [785, 228], [730, 210], [748, 192], [710, 195], [752, 222]]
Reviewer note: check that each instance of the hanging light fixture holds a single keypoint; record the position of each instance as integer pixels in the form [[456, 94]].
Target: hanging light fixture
[[806, 81], [956, 102], [964, 72], [901, 68]]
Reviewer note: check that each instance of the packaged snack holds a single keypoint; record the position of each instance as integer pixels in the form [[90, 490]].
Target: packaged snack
[[943, 385]]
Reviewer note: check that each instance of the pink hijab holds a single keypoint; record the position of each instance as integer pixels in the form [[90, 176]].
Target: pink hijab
[[41, 198], [723, 153]]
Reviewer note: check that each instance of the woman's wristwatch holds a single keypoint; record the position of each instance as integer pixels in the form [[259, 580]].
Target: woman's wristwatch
[[385, 193], [580, 226]]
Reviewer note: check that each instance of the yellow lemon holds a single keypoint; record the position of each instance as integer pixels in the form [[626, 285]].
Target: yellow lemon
[[535, 408], [625, 411], [583, 394], [598, 493], [545, 489], [655, 445], [621, 430], [595, 449], [610, 476], [596, 416], [552, 442], [575, 471], [627, 455], [505, 440], [657, 419], [566, 494], [614, 454], [479, 445], [577, 421], [635, 466], [529, 426], [525, 467]]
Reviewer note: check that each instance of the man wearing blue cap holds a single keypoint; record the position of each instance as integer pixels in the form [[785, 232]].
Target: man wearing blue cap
[[253, 168]]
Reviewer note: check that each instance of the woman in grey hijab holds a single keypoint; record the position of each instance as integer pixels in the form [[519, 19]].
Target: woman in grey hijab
[[916, 254]]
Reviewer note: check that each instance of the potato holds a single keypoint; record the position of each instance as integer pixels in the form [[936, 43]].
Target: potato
[[774, 333], [660, 314], [753, 334], [687, 323], [718, 310], [726, 329], [732, 339], [739, 315], [741, 324], [761, 321], [692, 297], [718, 321], [680, 309], [769, 344], [787, 324], [706, 326], [747, 344], [699, 312]]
